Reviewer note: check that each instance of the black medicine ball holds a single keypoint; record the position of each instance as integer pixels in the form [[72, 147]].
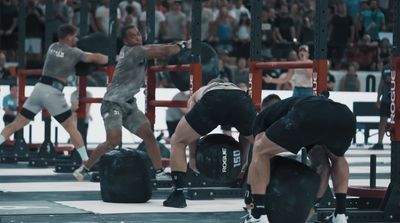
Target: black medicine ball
[[292, 190], [125, 176], [218, 158]]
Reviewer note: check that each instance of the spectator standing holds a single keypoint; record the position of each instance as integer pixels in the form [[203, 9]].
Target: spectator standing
[[384, 53], [284, 33], [61, 13], [301, 78], [207, 20], [91, 22], [350, 81], [373, 20], [241, 74], [223, 32], [34, 31], [267, 21], [34, 20], [159, 22], [383, 104], [238, 9], [103, 17], [131, 17], [353, 8], [341, 34], [296, 13], [242, 36], [366, 53], [306, 35], [176, 23], [8, 28], [42, 5], [214, 8], [136, 5]]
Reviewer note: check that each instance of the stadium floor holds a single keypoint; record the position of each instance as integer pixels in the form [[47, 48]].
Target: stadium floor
[[41, 195]]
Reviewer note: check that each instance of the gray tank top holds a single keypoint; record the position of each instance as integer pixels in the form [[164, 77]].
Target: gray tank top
[[129, 74], [61, 60]]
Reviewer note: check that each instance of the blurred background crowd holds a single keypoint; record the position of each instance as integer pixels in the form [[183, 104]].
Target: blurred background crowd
[[359, 35]]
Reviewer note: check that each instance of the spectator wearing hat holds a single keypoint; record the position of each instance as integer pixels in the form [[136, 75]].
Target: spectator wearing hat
[[301, 78]]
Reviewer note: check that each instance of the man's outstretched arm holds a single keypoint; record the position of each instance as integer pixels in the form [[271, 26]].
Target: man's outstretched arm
[[95, 58], [156, 51]]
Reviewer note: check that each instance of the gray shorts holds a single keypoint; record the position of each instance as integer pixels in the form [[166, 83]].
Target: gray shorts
[[116, 114], [46, 96]]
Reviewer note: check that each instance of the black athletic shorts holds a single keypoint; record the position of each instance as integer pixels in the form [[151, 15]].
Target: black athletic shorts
[[319, 122], [384, 111], [222, 107]]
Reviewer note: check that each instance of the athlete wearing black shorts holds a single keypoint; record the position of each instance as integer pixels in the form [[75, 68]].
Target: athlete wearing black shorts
[[218, 103], [299, 122], [315, 122], [222, 107]]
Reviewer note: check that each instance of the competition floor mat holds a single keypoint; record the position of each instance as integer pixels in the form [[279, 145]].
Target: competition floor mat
[[41, 195]]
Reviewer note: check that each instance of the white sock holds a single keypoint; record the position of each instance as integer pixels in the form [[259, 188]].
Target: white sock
[[2, 139], [82, 153]]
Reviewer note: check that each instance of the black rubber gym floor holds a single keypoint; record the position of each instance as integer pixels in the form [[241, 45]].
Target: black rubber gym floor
[[40, 195]]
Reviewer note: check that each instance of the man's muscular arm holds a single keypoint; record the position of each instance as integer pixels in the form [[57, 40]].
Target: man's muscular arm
[[155, 51], [95, 58]]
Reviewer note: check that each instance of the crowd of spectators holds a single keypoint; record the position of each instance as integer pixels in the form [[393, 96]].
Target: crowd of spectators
[[355, 31]]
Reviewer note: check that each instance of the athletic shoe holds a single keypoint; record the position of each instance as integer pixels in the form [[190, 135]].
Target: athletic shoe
[[378, 146], [175, 200], [162, 176], [80, 173], [250, 219], [338, 218]]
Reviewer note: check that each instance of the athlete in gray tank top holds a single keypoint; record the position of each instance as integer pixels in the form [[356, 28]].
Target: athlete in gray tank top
[[119, 106], [60, 62], [129, 74]]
